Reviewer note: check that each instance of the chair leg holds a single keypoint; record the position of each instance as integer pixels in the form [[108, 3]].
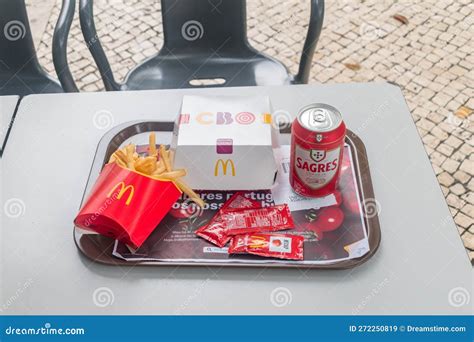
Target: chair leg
[[60, 38]]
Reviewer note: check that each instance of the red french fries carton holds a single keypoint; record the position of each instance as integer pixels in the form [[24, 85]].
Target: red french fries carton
[[126, 205]]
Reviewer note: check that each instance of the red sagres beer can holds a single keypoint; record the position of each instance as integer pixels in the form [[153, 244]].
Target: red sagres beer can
[[317, 146]]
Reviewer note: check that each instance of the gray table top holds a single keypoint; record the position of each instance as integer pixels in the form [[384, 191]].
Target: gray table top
[[7, 110], [420, 268]]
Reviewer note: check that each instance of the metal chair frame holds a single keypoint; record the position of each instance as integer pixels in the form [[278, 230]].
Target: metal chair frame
[[20, 71], [221, 49]]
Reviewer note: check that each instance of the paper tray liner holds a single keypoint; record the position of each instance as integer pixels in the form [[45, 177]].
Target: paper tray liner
[[102, 249]]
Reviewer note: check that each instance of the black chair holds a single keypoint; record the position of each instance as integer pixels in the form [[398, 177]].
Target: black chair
[[203, 40], [20, 72]]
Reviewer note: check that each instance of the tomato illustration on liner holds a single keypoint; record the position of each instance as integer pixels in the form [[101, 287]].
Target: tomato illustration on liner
[[318, 234], [345, 165], [320, 221], [186, 211], [338, 196], [350, 202], [310, 227], [329, 218], [325, 219], [179, 213]]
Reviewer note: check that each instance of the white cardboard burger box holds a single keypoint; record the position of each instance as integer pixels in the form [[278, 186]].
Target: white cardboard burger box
[[225, 142]]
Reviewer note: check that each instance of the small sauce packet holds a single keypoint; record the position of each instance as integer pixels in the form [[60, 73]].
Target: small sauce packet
[[245, 221], [282, 246], [214, 231]]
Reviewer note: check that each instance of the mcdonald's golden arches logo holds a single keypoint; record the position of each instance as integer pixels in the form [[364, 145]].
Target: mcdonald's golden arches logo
[[224, 165], [123, 190]]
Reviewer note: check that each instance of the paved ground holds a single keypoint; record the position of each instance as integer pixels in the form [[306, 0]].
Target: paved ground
[[427, 51], [39, 15]]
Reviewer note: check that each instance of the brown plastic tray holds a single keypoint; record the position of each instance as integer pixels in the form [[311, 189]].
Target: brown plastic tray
[[99, 248]]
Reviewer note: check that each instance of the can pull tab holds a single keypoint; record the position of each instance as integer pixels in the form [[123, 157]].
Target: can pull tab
[[320, 119], [318, 116]]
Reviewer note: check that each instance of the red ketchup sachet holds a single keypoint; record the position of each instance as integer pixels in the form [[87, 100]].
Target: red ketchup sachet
[[282, 246], [245, 221], [214, 231]]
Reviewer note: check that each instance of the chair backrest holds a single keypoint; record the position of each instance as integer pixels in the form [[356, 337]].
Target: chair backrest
[[17, 51], [20, 71], [192, 28], [207, 25]]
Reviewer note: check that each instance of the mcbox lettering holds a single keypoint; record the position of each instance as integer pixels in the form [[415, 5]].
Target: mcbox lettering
[[225, 142]]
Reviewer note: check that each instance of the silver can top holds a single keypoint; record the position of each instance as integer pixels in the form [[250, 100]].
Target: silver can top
[[319, 117]]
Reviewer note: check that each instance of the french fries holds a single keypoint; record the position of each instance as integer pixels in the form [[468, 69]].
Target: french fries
[[156, 165], [145, 165], [173, 174], [191, 194], [152, 145], [165, 157], [160, 168]]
